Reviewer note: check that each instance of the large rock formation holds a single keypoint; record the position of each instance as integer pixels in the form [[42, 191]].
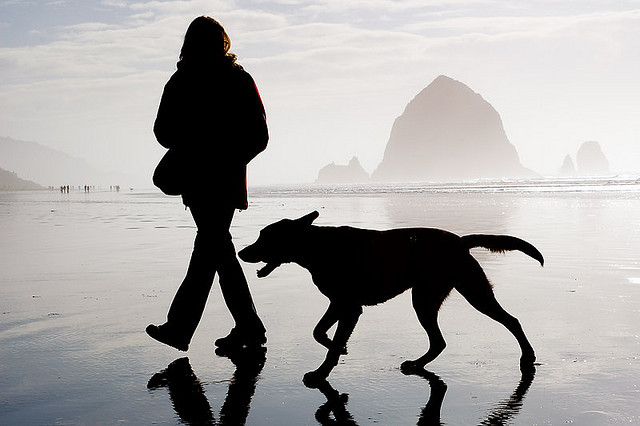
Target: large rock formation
[[351, 173], [591, 160], [448, 132]]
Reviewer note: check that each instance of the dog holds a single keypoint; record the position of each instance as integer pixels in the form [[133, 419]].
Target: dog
[[356, 267]]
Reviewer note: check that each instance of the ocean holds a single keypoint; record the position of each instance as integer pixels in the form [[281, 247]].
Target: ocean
[[83, 273]]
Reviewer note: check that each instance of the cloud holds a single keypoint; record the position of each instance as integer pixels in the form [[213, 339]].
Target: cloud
[[176, 8], [540, 25]]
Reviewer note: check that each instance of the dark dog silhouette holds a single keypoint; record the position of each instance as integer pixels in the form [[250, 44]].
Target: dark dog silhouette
[[356, 267]]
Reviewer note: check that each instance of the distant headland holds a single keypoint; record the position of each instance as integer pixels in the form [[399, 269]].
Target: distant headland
[[9, 181], [26, 161]]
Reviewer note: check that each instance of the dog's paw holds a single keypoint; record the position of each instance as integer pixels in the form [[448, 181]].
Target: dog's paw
[[267, 269], [410, 367], [313, 379]]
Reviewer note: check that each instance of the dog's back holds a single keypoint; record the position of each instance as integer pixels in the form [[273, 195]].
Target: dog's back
[[370, 267]]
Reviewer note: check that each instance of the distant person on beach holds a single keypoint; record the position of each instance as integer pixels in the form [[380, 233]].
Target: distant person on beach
[[212, 113]]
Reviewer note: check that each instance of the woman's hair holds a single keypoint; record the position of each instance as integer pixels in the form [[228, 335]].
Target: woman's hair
[[206, 40]]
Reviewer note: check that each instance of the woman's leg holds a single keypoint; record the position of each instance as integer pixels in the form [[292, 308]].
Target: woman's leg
[[237, 296], [191, 298], [188, 304], [213, 251], [249, 329]]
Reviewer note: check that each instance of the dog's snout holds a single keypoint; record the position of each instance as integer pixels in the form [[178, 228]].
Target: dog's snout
[[242, 254], [248, 254]]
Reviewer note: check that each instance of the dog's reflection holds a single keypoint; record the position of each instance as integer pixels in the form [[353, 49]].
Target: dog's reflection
[[336, 404], [506, 410], [502, 413], [188, 396]]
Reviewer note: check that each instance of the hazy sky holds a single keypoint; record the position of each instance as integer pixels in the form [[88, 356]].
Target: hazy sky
[[85, 76]]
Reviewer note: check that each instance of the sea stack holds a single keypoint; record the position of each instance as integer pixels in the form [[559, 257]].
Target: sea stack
[[335, 173], [448, 133], [591, 161], [567, 168]]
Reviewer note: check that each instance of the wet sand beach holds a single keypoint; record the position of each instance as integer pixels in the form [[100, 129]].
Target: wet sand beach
[[82, 274]]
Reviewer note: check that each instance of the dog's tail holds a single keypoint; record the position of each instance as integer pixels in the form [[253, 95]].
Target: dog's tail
[[502, 243]]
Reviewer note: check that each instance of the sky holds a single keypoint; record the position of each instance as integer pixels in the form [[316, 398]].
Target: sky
[[85, 76]]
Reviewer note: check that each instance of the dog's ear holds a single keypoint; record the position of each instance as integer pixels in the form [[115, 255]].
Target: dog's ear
[[308, 219]]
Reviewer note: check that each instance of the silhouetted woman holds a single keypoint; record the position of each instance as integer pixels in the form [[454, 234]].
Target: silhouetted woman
[[211, 113]]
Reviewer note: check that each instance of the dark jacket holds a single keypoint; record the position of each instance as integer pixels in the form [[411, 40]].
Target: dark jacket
[[213, 114]]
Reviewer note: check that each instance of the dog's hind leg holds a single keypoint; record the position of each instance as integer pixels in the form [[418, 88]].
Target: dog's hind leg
[[329, 318], [427, 304], [476, 289], [348, 317]]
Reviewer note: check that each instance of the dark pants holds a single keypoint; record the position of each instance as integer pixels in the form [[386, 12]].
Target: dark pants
[[213, 251]]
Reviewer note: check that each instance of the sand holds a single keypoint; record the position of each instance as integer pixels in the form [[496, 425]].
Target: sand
[[81, 275]]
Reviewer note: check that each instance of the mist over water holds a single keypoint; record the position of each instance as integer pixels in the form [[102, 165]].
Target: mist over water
[[82, 274]]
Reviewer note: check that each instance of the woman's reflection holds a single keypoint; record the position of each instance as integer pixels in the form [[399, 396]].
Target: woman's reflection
[[187, 393]]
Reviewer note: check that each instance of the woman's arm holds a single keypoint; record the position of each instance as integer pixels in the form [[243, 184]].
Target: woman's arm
[[169, 123], [253, 134]]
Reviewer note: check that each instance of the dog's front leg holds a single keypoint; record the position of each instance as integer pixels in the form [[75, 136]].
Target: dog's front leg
[[329, 318], [346, 323]]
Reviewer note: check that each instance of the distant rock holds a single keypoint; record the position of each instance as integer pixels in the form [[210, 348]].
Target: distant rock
[[448, 132], [567, 168], [351, 173], [591, 161], [9, 181]]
